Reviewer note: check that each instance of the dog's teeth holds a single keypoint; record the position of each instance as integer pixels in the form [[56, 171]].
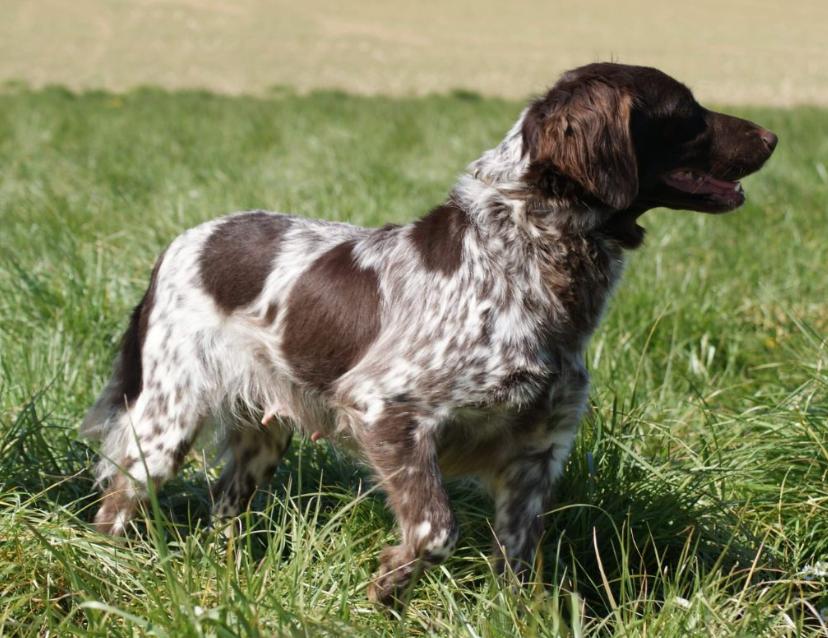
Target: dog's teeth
[[739, 188]]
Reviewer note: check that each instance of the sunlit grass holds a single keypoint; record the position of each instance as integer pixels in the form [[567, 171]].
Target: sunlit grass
[[694, 499]]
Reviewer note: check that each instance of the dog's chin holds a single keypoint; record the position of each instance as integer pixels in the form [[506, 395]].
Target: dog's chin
[[622, 227], [686, 189]]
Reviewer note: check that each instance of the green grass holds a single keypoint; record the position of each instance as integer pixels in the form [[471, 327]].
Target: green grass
[[693, 501]]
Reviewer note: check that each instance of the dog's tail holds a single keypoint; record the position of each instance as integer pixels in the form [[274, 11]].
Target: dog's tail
[[126, 381]]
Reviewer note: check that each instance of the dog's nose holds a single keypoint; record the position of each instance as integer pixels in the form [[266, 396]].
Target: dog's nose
[[768, 138]]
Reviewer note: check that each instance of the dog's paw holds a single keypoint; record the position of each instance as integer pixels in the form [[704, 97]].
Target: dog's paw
[[397, 572]]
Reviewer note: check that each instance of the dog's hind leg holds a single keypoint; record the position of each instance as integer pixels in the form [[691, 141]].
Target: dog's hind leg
[[255, 452], [153, 439], [148, 443]]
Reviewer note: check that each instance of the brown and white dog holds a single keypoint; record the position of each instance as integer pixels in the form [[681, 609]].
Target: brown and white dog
[[450, 345]]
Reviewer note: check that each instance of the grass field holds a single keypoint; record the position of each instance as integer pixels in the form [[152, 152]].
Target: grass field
[[694, 504]]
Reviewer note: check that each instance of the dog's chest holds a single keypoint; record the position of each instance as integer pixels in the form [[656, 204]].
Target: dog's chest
[[539, 330], [578, 275]]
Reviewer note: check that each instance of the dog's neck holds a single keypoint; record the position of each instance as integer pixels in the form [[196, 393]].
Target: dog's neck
[[560, 266], [504, 165], [493, 189]]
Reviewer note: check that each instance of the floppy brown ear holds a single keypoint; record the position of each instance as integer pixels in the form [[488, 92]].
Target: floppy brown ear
[[578, 140]]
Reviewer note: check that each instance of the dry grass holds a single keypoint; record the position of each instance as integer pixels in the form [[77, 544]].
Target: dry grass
[[735, 52]]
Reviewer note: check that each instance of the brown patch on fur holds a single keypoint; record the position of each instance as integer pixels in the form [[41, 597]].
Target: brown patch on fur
[[438, 237], [238, 257], [180, 452], [579, 143], [129, 374], [272, 311], [333, 316]]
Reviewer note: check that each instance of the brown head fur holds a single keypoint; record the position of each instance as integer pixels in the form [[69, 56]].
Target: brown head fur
[[579, 144]]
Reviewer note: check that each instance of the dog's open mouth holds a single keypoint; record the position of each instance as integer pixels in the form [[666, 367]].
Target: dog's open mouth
[[705, 192]]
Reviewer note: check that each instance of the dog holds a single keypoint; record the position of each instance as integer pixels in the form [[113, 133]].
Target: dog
[[452, 345]]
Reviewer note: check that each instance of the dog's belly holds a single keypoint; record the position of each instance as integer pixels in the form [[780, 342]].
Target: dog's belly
[[474, 441], [479, 440]]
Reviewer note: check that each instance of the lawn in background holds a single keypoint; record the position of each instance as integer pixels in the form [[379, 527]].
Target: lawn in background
[[695, 501]]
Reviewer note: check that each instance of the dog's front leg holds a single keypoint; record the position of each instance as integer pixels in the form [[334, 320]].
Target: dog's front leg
[[523, 490], [401, 449]]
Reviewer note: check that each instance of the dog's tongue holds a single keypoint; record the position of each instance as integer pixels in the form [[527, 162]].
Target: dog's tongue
[[705, 184]]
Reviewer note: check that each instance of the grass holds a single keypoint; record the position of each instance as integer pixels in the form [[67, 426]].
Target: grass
[[694, 504]]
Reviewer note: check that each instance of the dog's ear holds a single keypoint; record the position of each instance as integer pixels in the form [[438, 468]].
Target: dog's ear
[[579, 143]]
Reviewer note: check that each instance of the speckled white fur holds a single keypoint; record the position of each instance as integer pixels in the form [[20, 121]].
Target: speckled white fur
[[452, 343]]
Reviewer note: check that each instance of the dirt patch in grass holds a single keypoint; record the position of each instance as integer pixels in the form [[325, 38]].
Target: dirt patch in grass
[[737, 52]]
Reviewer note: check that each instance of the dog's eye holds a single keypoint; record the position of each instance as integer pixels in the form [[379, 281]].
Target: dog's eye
[[678, 130]]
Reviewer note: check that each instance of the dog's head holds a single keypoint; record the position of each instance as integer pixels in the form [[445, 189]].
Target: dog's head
[[630, 138]]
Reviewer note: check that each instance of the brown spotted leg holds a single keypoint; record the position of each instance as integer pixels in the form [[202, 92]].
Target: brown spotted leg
[[255, 453], [523, 484], [402, 452], [157, 433], [522, 493]]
